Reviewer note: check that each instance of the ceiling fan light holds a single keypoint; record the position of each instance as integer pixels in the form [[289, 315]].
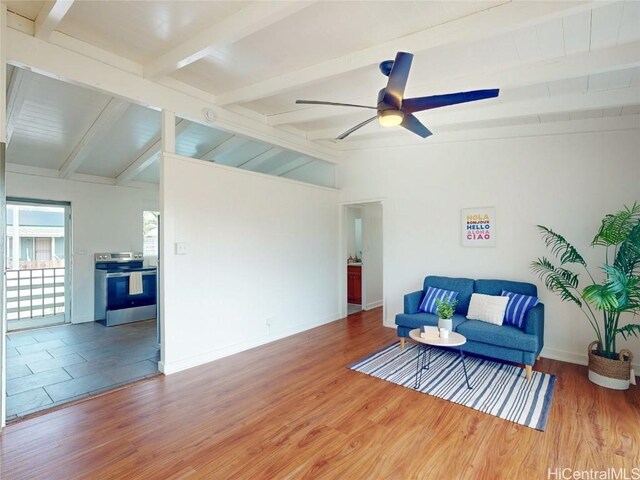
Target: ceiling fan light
[[390, 118]]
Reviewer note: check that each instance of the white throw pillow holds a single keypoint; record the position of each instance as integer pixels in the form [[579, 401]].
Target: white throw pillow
[[487, 308]]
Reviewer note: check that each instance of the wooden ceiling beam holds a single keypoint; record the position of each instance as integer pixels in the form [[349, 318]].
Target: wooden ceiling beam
[[150, 154], [84, 64], [521, 108], [50, 17], [251, 19], [589, 125], [589, 63], [112, 112], [18, 86], [487, 23]]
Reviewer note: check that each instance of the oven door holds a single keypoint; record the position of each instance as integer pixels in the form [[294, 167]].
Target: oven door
[[118, 296]]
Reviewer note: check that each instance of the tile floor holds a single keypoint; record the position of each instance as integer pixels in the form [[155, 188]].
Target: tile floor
[[50, 366]]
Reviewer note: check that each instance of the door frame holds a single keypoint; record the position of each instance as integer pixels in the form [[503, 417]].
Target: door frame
[[343, 245], [68, 258]]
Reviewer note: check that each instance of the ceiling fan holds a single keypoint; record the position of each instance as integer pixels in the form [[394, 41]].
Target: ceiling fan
[[393, 109]]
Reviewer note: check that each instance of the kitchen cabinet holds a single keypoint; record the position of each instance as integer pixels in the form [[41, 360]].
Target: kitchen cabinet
[[354, 284]]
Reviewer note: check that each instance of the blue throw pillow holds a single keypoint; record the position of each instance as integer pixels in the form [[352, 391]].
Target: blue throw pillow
[[517, 308], [428, 303]]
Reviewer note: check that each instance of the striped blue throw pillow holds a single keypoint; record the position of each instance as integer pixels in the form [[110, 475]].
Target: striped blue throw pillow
[[517, 308], [428, 303]]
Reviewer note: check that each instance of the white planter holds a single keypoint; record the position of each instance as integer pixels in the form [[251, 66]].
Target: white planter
[[610, 373], [608, 382], [445, 323]]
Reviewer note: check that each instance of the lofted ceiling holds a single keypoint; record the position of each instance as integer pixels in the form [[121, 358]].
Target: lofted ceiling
[[561, 67]]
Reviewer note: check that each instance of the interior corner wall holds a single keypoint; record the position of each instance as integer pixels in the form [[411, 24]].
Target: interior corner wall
[[104, 218], [566, 182], [261, 262]]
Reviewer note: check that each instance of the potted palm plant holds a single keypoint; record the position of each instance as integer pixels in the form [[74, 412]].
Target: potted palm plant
[[444, 310], [602, 303]]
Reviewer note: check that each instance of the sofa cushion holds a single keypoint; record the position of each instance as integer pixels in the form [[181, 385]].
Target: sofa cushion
[[429, 302], [487, 308], [417, 320], [464, 287], [495, 287], [518, 307], [501, 335]]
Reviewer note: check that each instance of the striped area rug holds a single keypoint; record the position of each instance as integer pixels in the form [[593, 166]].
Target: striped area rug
[[497, 389]]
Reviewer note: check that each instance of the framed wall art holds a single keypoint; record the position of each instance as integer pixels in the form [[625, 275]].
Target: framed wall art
[[478, 227]]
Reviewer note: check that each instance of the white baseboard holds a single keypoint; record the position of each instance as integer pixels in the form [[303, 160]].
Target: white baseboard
[[371, 305], [576, 358], [190, 362]]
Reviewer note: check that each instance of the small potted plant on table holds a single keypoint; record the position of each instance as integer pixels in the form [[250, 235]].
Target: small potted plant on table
[[444, 310]]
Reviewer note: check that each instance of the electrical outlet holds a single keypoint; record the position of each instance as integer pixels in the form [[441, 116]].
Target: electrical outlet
[[181, 248]]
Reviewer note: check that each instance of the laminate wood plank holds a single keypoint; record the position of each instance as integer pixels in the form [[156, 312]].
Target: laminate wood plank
[[292, 409]]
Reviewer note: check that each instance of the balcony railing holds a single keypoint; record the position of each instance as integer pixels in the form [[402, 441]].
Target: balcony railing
[[37, 292]]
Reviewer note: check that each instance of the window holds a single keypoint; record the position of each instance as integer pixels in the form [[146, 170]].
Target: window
[[150, 233]]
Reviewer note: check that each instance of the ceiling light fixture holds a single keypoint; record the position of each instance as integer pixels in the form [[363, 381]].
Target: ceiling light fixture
[[390, 118]]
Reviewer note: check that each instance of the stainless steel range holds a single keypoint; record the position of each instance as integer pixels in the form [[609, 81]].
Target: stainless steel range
[[125, 290]]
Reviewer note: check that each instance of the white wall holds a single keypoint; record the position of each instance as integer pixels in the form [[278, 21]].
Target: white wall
[[566, 182], [259, 248], [372, 258], [105, 218], [352, 213]]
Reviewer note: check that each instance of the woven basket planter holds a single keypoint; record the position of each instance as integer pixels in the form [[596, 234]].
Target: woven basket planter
[[607, 372]]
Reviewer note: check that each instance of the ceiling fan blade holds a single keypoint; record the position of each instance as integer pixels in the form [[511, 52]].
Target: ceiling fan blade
[[353, 129], [398, 79], [411, 123], [319, 102], [418, 104]]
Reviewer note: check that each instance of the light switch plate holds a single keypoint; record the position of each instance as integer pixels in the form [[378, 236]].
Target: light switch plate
[[181, 248]]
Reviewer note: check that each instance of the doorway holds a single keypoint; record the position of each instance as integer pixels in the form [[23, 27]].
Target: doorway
[[363, 251], [37, 269]]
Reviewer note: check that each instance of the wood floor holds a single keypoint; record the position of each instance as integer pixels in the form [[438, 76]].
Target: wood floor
[[291, 409]]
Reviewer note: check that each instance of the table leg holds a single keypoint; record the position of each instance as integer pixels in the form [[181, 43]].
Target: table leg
[[464, 367], [419, 366], [429, 362]]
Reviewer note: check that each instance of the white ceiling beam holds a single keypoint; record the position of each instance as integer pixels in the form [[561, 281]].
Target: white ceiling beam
[[490, 22], [50, 17], [260, 159], [588, 63], [89, 67], [567, 127], [78, 177], [521, 108], [251, 19], [224, 148], [148, 157], [106, 120], [290, 165], [18, 86]]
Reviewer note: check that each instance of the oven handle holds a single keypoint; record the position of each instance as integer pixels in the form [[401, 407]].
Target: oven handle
[[127, 274]]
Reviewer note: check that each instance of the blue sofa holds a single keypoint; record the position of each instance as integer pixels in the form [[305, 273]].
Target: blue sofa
[[502, 342]]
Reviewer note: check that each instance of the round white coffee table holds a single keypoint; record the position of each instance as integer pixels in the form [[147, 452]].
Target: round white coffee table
[[428, 342]]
